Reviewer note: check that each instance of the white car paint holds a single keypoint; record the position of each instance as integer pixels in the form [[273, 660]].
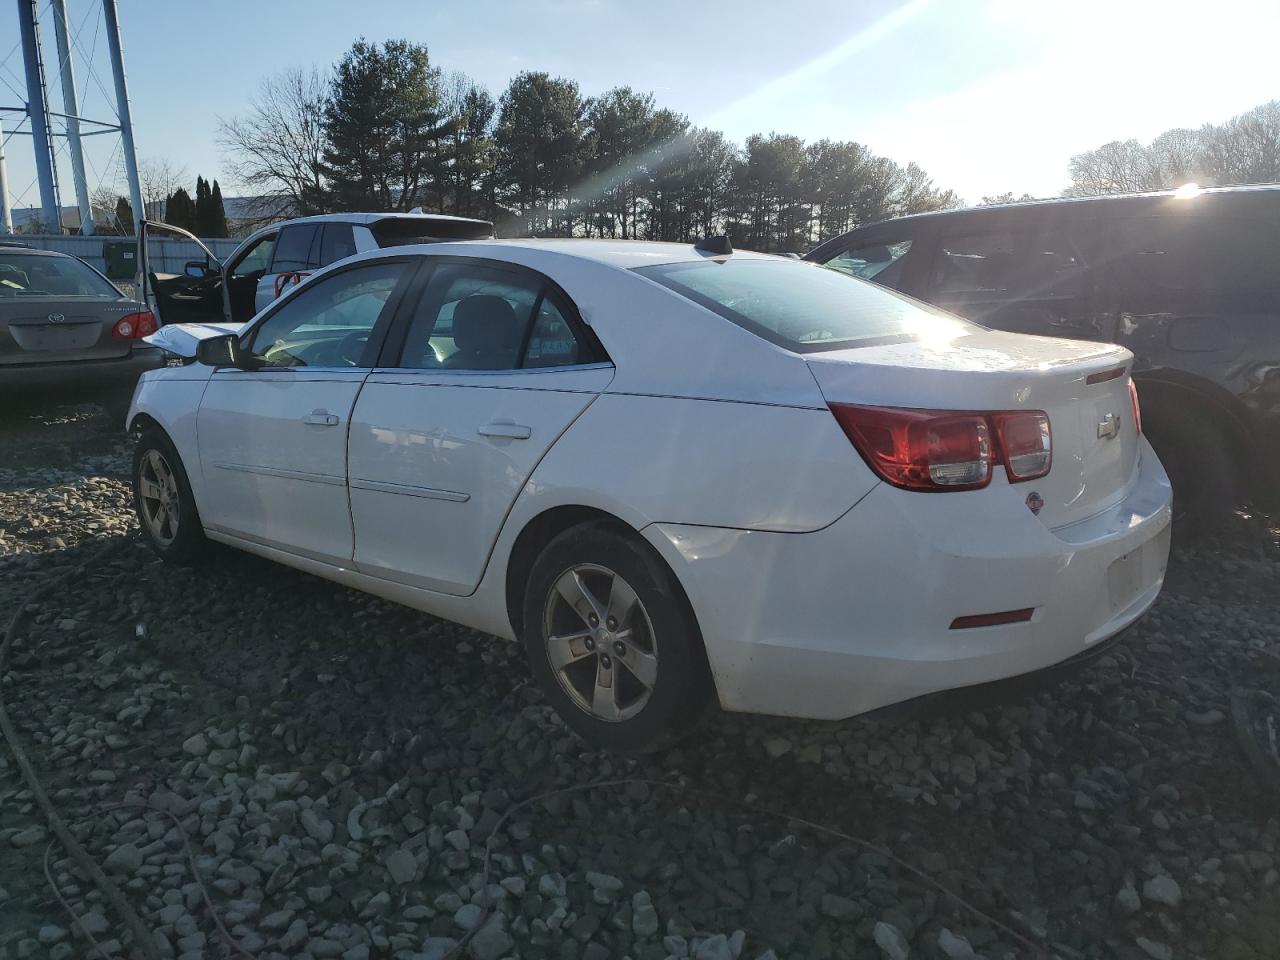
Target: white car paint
[[820, 590]]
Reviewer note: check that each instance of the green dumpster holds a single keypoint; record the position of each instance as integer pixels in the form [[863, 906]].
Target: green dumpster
[[121, 258]]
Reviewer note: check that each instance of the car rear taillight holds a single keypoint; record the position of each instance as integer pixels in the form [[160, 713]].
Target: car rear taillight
[[939, 450], [135, 326], [1137, 410], [1025, 443]]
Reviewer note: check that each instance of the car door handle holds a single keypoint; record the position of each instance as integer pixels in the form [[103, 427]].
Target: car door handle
[[321, 418], [505, 429]]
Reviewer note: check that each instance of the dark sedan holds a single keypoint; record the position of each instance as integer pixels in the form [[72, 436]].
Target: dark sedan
[[65, 330]]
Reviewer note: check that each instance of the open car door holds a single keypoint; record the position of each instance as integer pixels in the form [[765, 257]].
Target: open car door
[[197, 295]]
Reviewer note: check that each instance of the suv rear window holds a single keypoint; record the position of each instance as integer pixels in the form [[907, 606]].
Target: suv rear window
[[802, 306], [396, 231]]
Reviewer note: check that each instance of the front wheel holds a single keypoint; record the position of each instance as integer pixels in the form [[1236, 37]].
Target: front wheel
[[163, 501], [613, 641]]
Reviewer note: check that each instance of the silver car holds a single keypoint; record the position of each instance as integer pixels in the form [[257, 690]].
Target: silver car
[[65, 327]]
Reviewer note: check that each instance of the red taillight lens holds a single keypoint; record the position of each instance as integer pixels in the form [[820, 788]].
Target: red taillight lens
[[920, 449], [938, 450], [1025, 443], [135, 326], [1137, 410]]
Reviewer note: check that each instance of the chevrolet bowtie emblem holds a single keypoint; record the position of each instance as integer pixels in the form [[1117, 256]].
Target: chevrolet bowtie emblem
[[1109, 427]]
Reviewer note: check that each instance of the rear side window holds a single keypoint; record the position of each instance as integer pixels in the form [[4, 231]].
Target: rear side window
[[337, 241], [1007, 264], [1198, 254], [477, 316], [801, 306], [297, 248]]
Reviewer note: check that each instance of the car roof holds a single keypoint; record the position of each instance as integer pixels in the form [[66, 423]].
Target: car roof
[[617, 253], [1085, 202], [26, 250], [367, 218]]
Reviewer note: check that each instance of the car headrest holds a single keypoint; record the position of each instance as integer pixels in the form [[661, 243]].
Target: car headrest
[[485, 328]]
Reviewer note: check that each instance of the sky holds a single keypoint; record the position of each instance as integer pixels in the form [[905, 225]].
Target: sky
[[987, 96]]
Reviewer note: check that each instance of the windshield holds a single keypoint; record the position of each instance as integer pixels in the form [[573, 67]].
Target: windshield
[[33, 275], [802, 307]]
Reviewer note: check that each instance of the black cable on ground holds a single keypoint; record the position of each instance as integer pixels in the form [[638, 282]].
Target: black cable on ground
[[754, 809], [141, 935]]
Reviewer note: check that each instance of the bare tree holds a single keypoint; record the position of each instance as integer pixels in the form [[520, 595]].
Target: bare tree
[[158, 178], [277, 148], [1245, 149]]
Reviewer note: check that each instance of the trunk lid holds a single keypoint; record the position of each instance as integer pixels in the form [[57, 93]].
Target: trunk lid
[[55, 329], [1095, 441]]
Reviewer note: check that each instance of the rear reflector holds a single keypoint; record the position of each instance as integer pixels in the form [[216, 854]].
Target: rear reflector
[[1105, 376], [939, 450], [992, 619]]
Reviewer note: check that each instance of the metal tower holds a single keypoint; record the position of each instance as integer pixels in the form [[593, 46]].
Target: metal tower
[[43, 131]]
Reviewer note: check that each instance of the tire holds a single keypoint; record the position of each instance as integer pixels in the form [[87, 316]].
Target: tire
[[646, 703], [1201, 467], [157, 469]]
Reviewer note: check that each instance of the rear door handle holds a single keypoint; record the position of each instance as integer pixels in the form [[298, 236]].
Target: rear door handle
[[321, 418], [505, 429]]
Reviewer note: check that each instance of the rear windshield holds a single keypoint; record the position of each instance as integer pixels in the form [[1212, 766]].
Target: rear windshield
[[802, 306], [32, 275], [397, 231]]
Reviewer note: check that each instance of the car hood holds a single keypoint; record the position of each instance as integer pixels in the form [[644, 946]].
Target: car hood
[[181, 339]]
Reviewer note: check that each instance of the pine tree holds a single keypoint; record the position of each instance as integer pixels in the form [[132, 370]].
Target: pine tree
[[124, 214], [218, 213], [386, 128], [180, 210], [201, 218]]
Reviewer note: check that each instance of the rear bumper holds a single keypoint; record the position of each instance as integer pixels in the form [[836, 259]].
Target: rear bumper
[[79, 377], [858, 615]]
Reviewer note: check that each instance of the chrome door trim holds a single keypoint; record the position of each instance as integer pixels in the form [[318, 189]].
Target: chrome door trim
[[281, 473], [409, 490]]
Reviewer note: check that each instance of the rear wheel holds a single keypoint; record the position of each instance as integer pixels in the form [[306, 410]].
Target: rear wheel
[[613, 641], [1201, 467], [163, 501]]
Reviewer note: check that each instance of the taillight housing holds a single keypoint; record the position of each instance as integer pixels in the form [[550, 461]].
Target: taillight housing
[[1137, 410], [135, 326], [941, 450]]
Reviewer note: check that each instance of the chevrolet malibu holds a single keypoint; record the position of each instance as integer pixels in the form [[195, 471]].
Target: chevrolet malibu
[[679, 475]]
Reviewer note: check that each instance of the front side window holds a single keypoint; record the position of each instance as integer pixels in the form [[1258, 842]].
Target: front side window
[[1007, 265], [28, 275], [801, 306], [482, 317], [878, 261], [256, 258], [328, 323], [297, 249]]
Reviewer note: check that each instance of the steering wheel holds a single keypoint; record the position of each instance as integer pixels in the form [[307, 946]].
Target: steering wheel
[[351, 348]]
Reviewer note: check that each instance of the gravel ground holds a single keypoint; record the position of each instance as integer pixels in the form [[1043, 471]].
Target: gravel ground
[[340, 765]]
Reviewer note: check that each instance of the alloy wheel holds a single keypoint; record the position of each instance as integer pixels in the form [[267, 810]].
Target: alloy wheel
[[600, 642], [158, 493]]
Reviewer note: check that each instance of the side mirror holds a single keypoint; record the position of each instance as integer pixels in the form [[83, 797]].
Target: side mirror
[[223, 351]]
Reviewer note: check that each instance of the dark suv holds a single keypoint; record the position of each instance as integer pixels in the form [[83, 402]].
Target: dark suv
[[1189, 281]]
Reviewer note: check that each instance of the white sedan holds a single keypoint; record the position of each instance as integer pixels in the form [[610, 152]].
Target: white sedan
[[680, 475]]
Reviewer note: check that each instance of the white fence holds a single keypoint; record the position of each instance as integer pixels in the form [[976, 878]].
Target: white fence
[[167, 255]]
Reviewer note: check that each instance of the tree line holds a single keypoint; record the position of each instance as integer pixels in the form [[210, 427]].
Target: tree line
[[1245, 149], [387, 129]]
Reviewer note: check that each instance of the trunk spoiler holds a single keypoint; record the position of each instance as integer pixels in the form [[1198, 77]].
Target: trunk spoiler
[[145, 228]]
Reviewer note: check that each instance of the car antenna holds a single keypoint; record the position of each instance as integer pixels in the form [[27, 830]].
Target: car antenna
[[718, 245]]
